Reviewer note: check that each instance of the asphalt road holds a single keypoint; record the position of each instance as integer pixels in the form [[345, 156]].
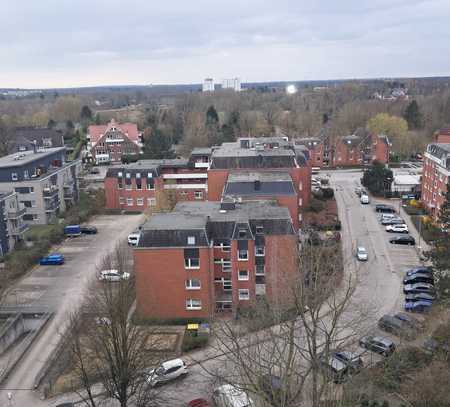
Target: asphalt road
[[60, 289]]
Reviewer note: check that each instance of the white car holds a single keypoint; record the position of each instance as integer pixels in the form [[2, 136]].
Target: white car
[[399, 228], [361, 253], [113, 275], [365, 199], [133, 238], [167, 371]]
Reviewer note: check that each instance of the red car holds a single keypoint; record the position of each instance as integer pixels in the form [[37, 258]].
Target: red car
[[198, 403]]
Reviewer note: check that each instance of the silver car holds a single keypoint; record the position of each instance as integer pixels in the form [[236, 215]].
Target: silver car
[[361, 253]]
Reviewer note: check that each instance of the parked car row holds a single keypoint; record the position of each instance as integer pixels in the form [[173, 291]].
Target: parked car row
[[419, 290]]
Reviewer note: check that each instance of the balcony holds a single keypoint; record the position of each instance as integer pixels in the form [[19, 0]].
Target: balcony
[[20, 230], [52, 207], [16, 213], [50, 193]]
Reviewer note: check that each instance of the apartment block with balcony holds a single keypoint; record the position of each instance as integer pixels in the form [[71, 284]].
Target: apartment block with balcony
[[214, 257], [44, 182], [435, 176], [12, 226]]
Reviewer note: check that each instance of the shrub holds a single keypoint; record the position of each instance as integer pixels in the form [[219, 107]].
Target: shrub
[[193, 341], [316, 205]]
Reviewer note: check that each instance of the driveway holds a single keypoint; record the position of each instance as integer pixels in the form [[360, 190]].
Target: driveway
[[60, 289]]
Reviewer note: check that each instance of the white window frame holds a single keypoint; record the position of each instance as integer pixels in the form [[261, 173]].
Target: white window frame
[[149, 188], [14, 176], [193, 304], [244, 294], [130, 202], [260, 254], [242, 258], [188, 263], [191, 240], [151, 201], [198, 195], [140, 201], [121, 200], [228, 284], [245, 277], [190, 286]]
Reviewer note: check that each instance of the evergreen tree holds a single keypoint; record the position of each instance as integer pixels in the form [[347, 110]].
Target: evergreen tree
[[157, 145], [377, 178], [212, 118], [51, 123], [86, 113], [413, 116]]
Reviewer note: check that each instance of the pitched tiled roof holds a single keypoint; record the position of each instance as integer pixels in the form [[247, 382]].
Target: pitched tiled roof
[[129, 129]]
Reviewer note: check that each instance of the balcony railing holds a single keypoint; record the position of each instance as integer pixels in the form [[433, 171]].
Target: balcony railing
[[17, 213], [50, 192], [52, 207], [20, 230]]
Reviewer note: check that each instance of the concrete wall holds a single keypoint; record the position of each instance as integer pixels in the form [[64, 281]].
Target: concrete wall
[[13, 329]]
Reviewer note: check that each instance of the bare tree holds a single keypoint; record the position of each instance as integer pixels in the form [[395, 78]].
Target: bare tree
[[283, 364], [110, 354]]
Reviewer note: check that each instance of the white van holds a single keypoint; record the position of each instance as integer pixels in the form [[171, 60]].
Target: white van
[[365, 199], [230, 396]]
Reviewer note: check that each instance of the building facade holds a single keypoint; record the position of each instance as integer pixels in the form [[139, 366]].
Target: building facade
[[268, 168], [12, 226], [108, 143], [233, 83], [208, 85], [214, 257], [348, 151], [435, 176], [44, 182]]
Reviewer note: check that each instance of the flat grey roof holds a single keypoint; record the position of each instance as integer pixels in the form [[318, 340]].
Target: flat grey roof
[[236, 151], [194, 215], [27, 157], [263, 176], [201, 151]]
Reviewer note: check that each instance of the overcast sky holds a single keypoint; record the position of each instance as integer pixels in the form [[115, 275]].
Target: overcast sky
[[66, 43]]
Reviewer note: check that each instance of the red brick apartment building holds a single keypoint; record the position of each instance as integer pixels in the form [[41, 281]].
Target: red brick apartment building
[[212, 257], [107, 143], [268, 168], [435, 176], [352, 150]]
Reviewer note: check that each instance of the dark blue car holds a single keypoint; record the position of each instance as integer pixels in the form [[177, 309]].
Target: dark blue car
[[54, 259], [420, 270], [418, 306]]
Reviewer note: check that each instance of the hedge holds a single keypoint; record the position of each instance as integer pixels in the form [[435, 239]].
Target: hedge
[[192, 341]]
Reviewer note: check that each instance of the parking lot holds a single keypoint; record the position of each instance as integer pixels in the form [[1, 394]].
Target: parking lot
[[61, 289]]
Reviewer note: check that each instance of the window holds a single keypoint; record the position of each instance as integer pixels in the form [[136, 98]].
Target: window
[[130, 202], [140, 201], [192, 304], [227, 284], [198, 195], [128, 175], [259, 229], [244, 294], [191, 240], [243, 275], [226, 266], [300, 201], [119, 174], [138, 175], [14, 176], [151, 201], [128, 187], [150, 184], [300, 186], [122, 200], [260, 280], [25, 174], [259, 271], [242, 233], [259, 251], [192, 263], [138, 185], [119, 184], [150, 175], [193, 284], [242, 254]]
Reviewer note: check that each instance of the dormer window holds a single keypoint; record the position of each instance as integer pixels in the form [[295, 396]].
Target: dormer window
[[191, 240], [120, 174], [242, 233]]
